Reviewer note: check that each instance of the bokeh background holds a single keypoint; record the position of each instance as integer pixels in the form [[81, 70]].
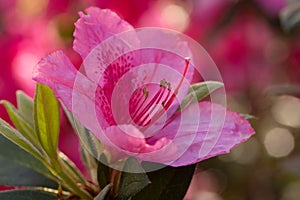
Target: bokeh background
[[259, 61]]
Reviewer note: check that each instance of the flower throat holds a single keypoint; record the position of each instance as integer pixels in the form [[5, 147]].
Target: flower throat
[[160, 102]]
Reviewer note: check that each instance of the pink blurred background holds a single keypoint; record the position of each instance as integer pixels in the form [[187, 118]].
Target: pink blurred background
[[258, 60]]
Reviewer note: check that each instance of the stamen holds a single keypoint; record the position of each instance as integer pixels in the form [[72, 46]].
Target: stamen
[[187, 61], [155, 116], [168, 103], [145, 94], [136, 117], [153, 107], [142, 118]]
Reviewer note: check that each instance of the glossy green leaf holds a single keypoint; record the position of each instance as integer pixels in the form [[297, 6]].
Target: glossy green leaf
[[20, 122], [290, 15], [13, 152], [14, 174], [90, 145], [104, 194], [71, 169], [46, 116], [103, 171], [166, 183], [16, 137], [88, 140], [199, 91], [131, 183], [203, 89], [27, 195], [25, 107], [89, 162]]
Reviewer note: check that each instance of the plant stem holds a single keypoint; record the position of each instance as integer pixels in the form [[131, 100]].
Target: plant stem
[[70, 168], [69, 181], [73, 187], [116, 181], [55, 168]]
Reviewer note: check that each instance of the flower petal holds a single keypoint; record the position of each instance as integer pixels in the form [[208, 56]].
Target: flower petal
[[72, 88], [167, 47], [103, 48], [94, 27], [57, 72], [127, 140], [217, 131]]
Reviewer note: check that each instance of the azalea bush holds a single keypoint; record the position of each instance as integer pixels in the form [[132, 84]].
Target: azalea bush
[[136, 112], [143, 119]]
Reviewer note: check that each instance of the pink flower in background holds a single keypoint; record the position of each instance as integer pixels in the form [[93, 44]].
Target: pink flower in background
[[272, 7], [27, 33], [248, 49], [130, 10], [150, 95], [6, 77], [205, 16]]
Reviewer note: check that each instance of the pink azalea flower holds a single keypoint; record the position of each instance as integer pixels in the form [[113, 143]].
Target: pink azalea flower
[[208, 14], [243, 49], [133, 110], [272, 7]]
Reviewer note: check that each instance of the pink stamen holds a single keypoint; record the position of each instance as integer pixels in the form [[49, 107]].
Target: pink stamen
[[167, 105], [136, 117], [141, 103], [154, 117], [142, 118], [159, 113], [153, 107]]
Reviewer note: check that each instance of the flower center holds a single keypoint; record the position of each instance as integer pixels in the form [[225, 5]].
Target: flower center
[[149, 111]]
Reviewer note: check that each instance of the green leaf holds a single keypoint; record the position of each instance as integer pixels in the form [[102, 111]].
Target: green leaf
[[20, 122], [46, 116], [13, 135], [89, 162], [247, 116], [88, 140], [290, 15], [166, 183], [14, 174], [25, 107], [103, 171], [104, 194], [199, 91], [203, 89], [90, 145], [27, 195], [70, 168], [14, 153], [131, 183]]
